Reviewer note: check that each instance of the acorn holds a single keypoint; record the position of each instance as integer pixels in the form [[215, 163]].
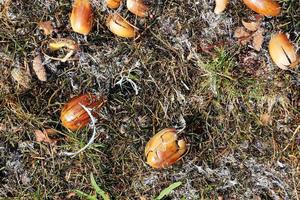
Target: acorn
[[283, 52], [264, 7], [164, 148], [113, 4], [220, 6], [120, 26], [82, 17], [137, 7], [74, 117]]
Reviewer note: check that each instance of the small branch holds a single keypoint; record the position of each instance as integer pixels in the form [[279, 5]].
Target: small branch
[[292, 138]]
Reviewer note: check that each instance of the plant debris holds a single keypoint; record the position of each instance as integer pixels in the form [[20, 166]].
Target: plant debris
[[22, 77], [39, 68], [60, 44], [187, 69], [251, 30], [46, 26], [43, 136]]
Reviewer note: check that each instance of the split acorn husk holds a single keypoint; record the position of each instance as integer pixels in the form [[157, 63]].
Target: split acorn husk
[[264, 7], [283, 52], [164, 148], [74, 117], [120, 26], [82, 17]]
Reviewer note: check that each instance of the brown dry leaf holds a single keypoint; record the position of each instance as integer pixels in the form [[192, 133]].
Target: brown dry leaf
[[71, 195], [46, 26], [22, 77], [265, 119], [258, 39], [242, 34], [39, 68], [251, 26], [2, 127], [42, 136]]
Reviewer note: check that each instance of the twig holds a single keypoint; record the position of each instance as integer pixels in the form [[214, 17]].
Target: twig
[[91, 141], [292, 138]]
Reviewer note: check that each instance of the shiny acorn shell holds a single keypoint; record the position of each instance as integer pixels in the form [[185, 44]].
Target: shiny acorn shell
[[264, 7], [283, 52], [113, 4], [137, 7], [82, 17], [73, 116], [120, 26], [163, 149]]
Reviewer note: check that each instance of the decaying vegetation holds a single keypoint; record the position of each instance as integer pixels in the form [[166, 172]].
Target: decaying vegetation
[[238, 111]]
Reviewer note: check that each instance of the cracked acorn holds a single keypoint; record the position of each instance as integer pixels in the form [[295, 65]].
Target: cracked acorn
[[120, 26], [164, 148], [82, 17], [62, 43], [264, 7], [283, 52], [74, 117]]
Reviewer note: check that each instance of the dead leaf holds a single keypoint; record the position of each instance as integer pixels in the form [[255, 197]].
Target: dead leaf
[[258, 39], [251, 26], [46, 26], [39, 68], [42, 136], [242, 34], [71, 195], [22, 77], [2, 127], [265, 119]]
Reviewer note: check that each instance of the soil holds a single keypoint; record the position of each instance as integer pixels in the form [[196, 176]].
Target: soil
[[238, 111]]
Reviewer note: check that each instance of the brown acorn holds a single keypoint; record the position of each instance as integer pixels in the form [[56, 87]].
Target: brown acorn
[[120, 26], [137, 7], [220, 6], [164, 148], [82, 17], [74, 117], [264, 7], [283, 52], [113, 4]]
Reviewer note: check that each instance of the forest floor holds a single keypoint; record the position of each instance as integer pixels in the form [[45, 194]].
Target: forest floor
[[239, 112]]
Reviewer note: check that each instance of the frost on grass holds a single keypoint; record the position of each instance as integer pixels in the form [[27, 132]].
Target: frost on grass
[[233, 178], [202, 23], [12, 171]]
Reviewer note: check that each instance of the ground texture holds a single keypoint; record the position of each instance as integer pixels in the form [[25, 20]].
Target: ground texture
[[238, 111]]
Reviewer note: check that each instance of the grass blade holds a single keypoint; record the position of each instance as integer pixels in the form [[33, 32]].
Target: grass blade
[[165, 192], [99, 191], [84, 195]]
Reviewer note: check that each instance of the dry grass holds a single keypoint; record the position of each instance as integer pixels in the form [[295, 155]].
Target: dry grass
[[185, 70]]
